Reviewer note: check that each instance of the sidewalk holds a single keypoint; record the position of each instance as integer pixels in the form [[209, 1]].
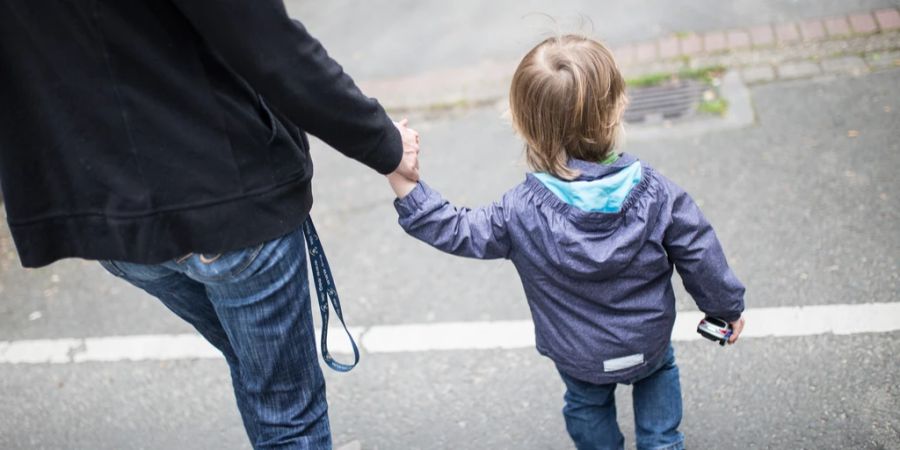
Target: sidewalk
[[856, 43]]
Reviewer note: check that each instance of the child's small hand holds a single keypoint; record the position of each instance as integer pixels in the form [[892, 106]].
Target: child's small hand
[[736, 328], [401, 185], [404, 179], [409, 164]]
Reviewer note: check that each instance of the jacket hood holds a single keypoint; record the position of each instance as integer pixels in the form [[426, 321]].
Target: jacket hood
[[590, 220]]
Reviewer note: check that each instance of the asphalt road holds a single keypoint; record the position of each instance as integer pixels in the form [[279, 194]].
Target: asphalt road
[[807, 215], [823, 392]]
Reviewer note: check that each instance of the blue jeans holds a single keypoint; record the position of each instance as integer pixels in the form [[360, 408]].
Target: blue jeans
[[253, 305], [590, 410]]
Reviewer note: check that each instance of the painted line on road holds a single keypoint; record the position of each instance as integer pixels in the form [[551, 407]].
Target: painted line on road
[[761, 323]]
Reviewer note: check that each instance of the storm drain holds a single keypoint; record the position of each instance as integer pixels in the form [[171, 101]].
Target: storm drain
[[666, 102]]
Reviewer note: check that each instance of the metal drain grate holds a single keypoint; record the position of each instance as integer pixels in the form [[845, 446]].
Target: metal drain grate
[[666, 102]]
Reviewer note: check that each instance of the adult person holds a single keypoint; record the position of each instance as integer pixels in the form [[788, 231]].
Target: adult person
[[166, 138]]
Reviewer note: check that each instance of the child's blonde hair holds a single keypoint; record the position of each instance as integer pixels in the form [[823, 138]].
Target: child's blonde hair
[[567, 98]]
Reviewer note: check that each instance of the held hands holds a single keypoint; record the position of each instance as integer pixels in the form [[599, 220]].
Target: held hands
[[404, 178]]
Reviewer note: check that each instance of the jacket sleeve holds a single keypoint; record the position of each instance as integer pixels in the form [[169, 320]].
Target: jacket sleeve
[[293, 72], [695, 250], [476, 233]]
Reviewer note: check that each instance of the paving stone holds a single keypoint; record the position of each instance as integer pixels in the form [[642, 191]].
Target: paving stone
[[668, 47], [624, 55], [657, 67], [837, 26], [738, 39], [691, 44], [645, 51], [862, 23], [798, 69], [714, 41], [845, 64], [762, 35], [888, 19], [883, 60], [812, 30], [757, 74], [787, 32]]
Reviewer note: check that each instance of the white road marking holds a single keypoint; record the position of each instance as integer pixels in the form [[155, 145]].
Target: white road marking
[[140, 348], [38, 351], [449, 336], [761, 322]]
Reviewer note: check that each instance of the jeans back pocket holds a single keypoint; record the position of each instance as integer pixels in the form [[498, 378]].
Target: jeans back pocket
[[218, 267]]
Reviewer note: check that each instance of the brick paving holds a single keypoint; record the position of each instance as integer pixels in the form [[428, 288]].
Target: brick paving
[[837, 26], [812, 30], [646, 51], [851, 44], [624, 55], [668, 47], [778, 50], [888, 19], [787, 33], [862, 23], [691, 45], [738, 39], [714, 41], [762, 35]]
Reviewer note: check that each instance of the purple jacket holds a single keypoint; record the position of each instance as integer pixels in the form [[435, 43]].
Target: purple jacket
[[598, 283]]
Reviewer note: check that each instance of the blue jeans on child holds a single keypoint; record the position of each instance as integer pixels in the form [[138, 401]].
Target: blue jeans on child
[[590, 410], [253, 305]]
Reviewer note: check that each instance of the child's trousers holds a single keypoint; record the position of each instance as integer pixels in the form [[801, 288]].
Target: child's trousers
[[590, 411]]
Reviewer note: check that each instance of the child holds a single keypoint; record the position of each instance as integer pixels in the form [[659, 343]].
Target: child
[[594, 236]]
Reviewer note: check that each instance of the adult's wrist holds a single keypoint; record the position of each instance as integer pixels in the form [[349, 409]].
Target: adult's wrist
[[388, 154]]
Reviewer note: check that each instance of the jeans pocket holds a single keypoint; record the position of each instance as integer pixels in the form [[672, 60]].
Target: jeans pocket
[[218, 267]]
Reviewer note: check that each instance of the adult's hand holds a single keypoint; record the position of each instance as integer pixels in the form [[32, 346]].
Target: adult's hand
[[409, 165]]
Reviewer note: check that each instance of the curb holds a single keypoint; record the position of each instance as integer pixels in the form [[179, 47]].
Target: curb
[[853, 44], [765, 36]]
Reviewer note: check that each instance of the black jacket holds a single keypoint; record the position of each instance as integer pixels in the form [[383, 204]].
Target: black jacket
[[141, 130]]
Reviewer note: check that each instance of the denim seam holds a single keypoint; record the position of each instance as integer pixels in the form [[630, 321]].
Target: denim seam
[[250, 259], [114, 268]]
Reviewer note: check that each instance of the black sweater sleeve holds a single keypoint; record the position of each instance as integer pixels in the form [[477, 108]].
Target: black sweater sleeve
[[292, 71]]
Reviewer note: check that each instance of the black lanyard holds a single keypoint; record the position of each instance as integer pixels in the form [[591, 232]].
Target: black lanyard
[[325, 289]]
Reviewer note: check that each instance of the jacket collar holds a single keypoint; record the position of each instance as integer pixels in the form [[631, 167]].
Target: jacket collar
[[593, 170]]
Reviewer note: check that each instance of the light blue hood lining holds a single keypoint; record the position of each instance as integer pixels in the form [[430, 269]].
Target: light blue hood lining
[[604, 195]]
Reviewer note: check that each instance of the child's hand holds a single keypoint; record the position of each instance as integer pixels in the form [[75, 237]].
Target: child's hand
[[400, 184], [736, 328], [409, 165], [404, 179]]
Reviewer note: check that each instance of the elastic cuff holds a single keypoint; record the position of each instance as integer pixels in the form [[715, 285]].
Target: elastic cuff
[[732, 317], [413, 201]]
